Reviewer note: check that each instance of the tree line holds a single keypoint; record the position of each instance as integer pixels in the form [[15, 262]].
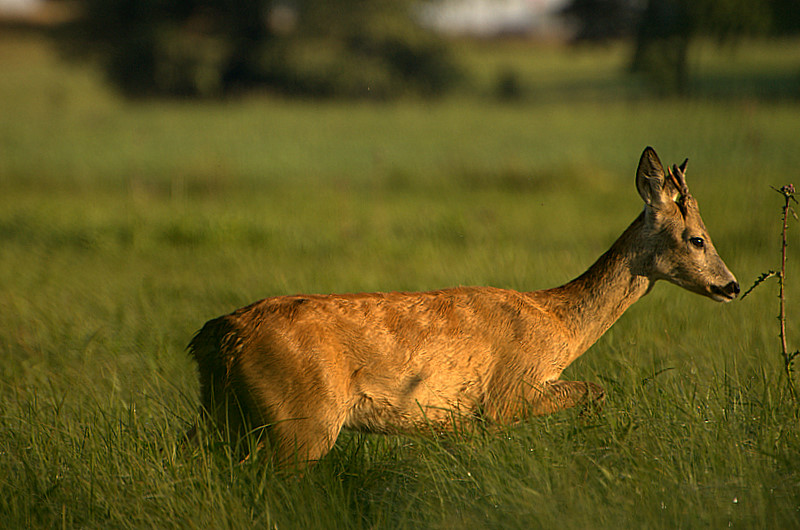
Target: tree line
[[363, 48]]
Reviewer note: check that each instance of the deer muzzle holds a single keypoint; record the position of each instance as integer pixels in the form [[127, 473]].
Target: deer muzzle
[[725, 293]]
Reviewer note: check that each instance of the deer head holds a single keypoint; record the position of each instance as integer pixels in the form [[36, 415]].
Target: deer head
[[677, 242]]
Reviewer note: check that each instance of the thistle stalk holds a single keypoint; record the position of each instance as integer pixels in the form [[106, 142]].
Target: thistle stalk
[[788, 192], [788, 358]]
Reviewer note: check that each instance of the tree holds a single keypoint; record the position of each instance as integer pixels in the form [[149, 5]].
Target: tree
[[667, 28], [664, 29]]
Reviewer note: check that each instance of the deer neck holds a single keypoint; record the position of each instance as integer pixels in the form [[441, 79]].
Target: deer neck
[[591, 303]]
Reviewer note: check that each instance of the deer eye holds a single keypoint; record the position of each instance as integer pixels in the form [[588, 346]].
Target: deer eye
[[697, 242]]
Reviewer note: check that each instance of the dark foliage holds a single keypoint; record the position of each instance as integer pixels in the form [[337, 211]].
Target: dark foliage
[[210, 48], [600, 20]]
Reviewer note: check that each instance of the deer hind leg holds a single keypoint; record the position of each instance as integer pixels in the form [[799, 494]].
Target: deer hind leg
[[554, 396], [206, 416], [299, 442], [224, 411]]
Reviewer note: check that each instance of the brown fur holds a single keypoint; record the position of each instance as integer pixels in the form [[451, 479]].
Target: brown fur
[[306, 366]]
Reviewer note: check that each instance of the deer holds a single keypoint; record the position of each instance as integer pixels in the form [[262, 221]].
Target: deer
[[304, 367]]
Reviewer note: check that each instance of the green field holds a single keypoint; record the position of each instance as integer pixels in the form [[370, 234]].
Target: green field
[[124, 226]]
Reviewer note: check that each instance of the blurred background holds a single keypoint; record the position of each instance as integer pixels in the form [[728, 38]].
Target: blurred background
[[103, 62]]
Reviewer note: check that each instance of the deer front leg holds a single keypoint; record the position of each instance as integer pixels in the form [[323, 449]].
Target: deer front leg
[[554, 396]]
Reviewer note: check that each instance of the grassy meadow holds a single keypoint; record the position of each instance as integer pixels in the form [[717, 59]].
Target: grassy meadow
[[124, 226]]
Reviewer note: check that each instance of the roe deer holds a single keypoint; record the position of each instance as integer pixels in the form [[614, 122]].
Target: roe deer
[[303, 367]]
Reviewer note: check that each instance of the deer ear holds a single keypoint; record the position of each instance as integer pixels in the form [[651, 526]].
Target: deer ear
[[650, 178]]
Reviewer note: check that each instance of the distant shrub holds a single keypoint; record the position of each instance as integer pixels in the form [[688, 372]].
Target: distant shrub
[[508, 86]]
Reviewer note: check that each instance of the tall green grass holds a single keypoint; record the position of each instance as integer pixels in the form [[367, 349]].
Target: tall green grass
[[124, 226]]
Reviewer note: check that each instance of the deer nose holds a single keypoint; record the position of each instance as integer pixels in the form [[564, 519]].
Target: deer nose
[[732, 289]]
